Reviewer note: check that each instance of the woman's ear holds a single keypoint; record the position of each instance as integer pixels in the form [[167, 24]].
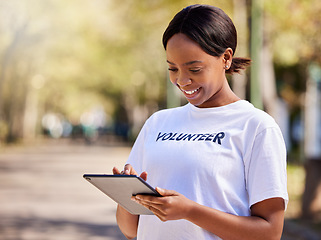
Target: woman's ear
[[227, 58]]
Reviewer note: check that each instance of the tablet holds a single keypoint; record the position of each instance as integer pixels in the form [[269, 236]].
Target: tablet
[[121, 188]]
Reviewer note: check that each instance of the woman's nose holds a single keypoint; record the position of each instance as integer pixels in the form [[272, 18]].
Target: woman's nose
[[183, 80]]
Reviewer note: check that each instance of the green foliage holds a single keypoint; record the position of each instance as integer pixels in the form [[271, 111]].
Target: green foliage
[[296, 180], [294, 28], [68, 56]]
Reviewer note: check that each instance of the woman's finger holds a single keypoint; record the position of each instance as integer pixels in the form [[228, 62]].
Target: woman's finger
[[129, 170], [116, 171], [155, 208], [148, 200], [143, 175]]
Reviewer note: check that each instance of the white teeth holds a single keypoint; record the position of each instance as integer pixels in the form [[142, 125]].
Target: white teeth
[[191, 92]]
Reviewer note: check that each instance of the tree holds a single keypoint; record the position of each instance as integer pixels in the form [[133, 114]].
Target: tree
[[295, 41]]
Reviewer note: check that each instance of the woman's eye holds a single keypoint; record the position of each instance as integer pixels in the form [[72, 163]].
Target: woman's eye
[[195, 70], [172, 69]]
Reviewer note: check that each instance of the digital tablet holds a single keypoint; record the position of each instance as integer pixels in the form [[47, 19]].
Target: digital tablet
[[121, 188]]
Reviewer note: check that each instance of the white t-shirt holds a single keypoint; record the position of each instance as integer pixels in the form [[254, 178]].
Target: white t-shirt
[[227, 158]]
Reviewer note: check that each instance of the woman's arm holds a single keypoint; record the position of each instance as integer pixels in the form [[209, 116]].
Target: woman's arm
[[126, 221], [265, 222]]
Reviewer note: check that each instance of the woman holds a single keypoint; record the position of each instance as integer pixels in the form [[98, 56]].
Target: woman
[[218, 162]]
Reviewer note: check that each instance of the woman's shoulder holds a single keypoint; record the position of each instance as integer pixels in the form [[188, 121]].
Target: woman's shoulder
[[257, 117]]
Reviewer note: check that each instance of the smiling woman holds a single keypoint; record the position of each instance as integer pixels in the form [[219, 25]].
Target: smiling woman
[[200, 76], [214, 33], [218, 162], [216, 36]]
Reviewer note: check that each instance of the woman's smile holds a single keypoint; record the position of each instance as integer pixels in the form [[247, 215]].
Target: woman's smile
[[190, 93]]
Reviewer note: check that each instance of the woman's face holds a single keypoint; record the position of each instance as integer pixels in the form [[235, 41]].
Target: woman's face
[[200, 76]]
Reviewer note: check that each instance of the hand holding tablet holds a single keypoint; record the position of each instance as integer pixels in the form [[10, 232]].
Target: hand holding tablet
[[121, 188]]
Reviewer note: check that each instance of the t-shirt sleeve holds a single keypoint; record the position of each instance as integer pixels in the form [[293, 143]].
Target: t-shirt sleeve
[[266, 171]]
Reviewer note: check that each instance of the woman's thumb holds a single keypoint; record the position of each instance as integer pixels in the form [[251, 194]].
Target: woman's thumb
[[143, 175], [160, 191], [165, 192]]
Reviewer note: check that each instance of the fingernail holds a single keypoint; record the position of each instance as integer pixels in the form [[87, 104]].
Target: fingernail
[[135, 199]]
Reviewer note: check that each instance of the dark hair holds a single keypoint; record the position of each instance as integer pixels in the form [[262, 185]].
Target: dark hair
[[211, 28]]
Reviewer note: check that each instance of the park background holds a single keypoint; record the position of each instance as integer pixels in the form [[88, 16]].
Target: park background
[[90, 72]]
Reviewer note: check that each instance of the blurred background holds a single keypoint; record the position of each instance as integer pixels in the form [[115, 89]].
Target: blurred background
[[88, 73]]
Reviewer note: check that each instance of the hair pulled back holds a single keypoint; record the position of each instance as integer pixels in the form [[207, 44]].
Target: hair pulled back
[[211, 28]]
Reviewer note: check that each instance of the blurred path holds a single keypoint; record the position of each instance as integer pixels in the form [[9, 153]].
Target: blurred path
[[44, 197]]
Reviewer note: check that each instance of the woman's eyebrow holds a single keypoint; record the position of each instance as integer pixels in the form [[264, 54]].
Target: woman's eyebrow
[[185, 64], [170, 62], [192, 62]]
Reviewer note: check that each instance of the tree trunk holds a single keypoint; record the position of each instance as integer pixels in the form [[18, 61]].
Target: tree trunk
[[240, 20], [311, 201]]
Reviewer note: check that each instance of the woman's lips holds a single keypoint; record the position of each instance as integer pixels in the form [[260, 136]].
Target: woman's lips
[[190, 93]]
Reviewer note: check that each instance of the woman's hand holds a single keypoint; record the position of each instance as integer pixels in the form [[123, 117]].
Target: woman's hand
[[171, 206], [266, 221], [127, 222], [129, 170]]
